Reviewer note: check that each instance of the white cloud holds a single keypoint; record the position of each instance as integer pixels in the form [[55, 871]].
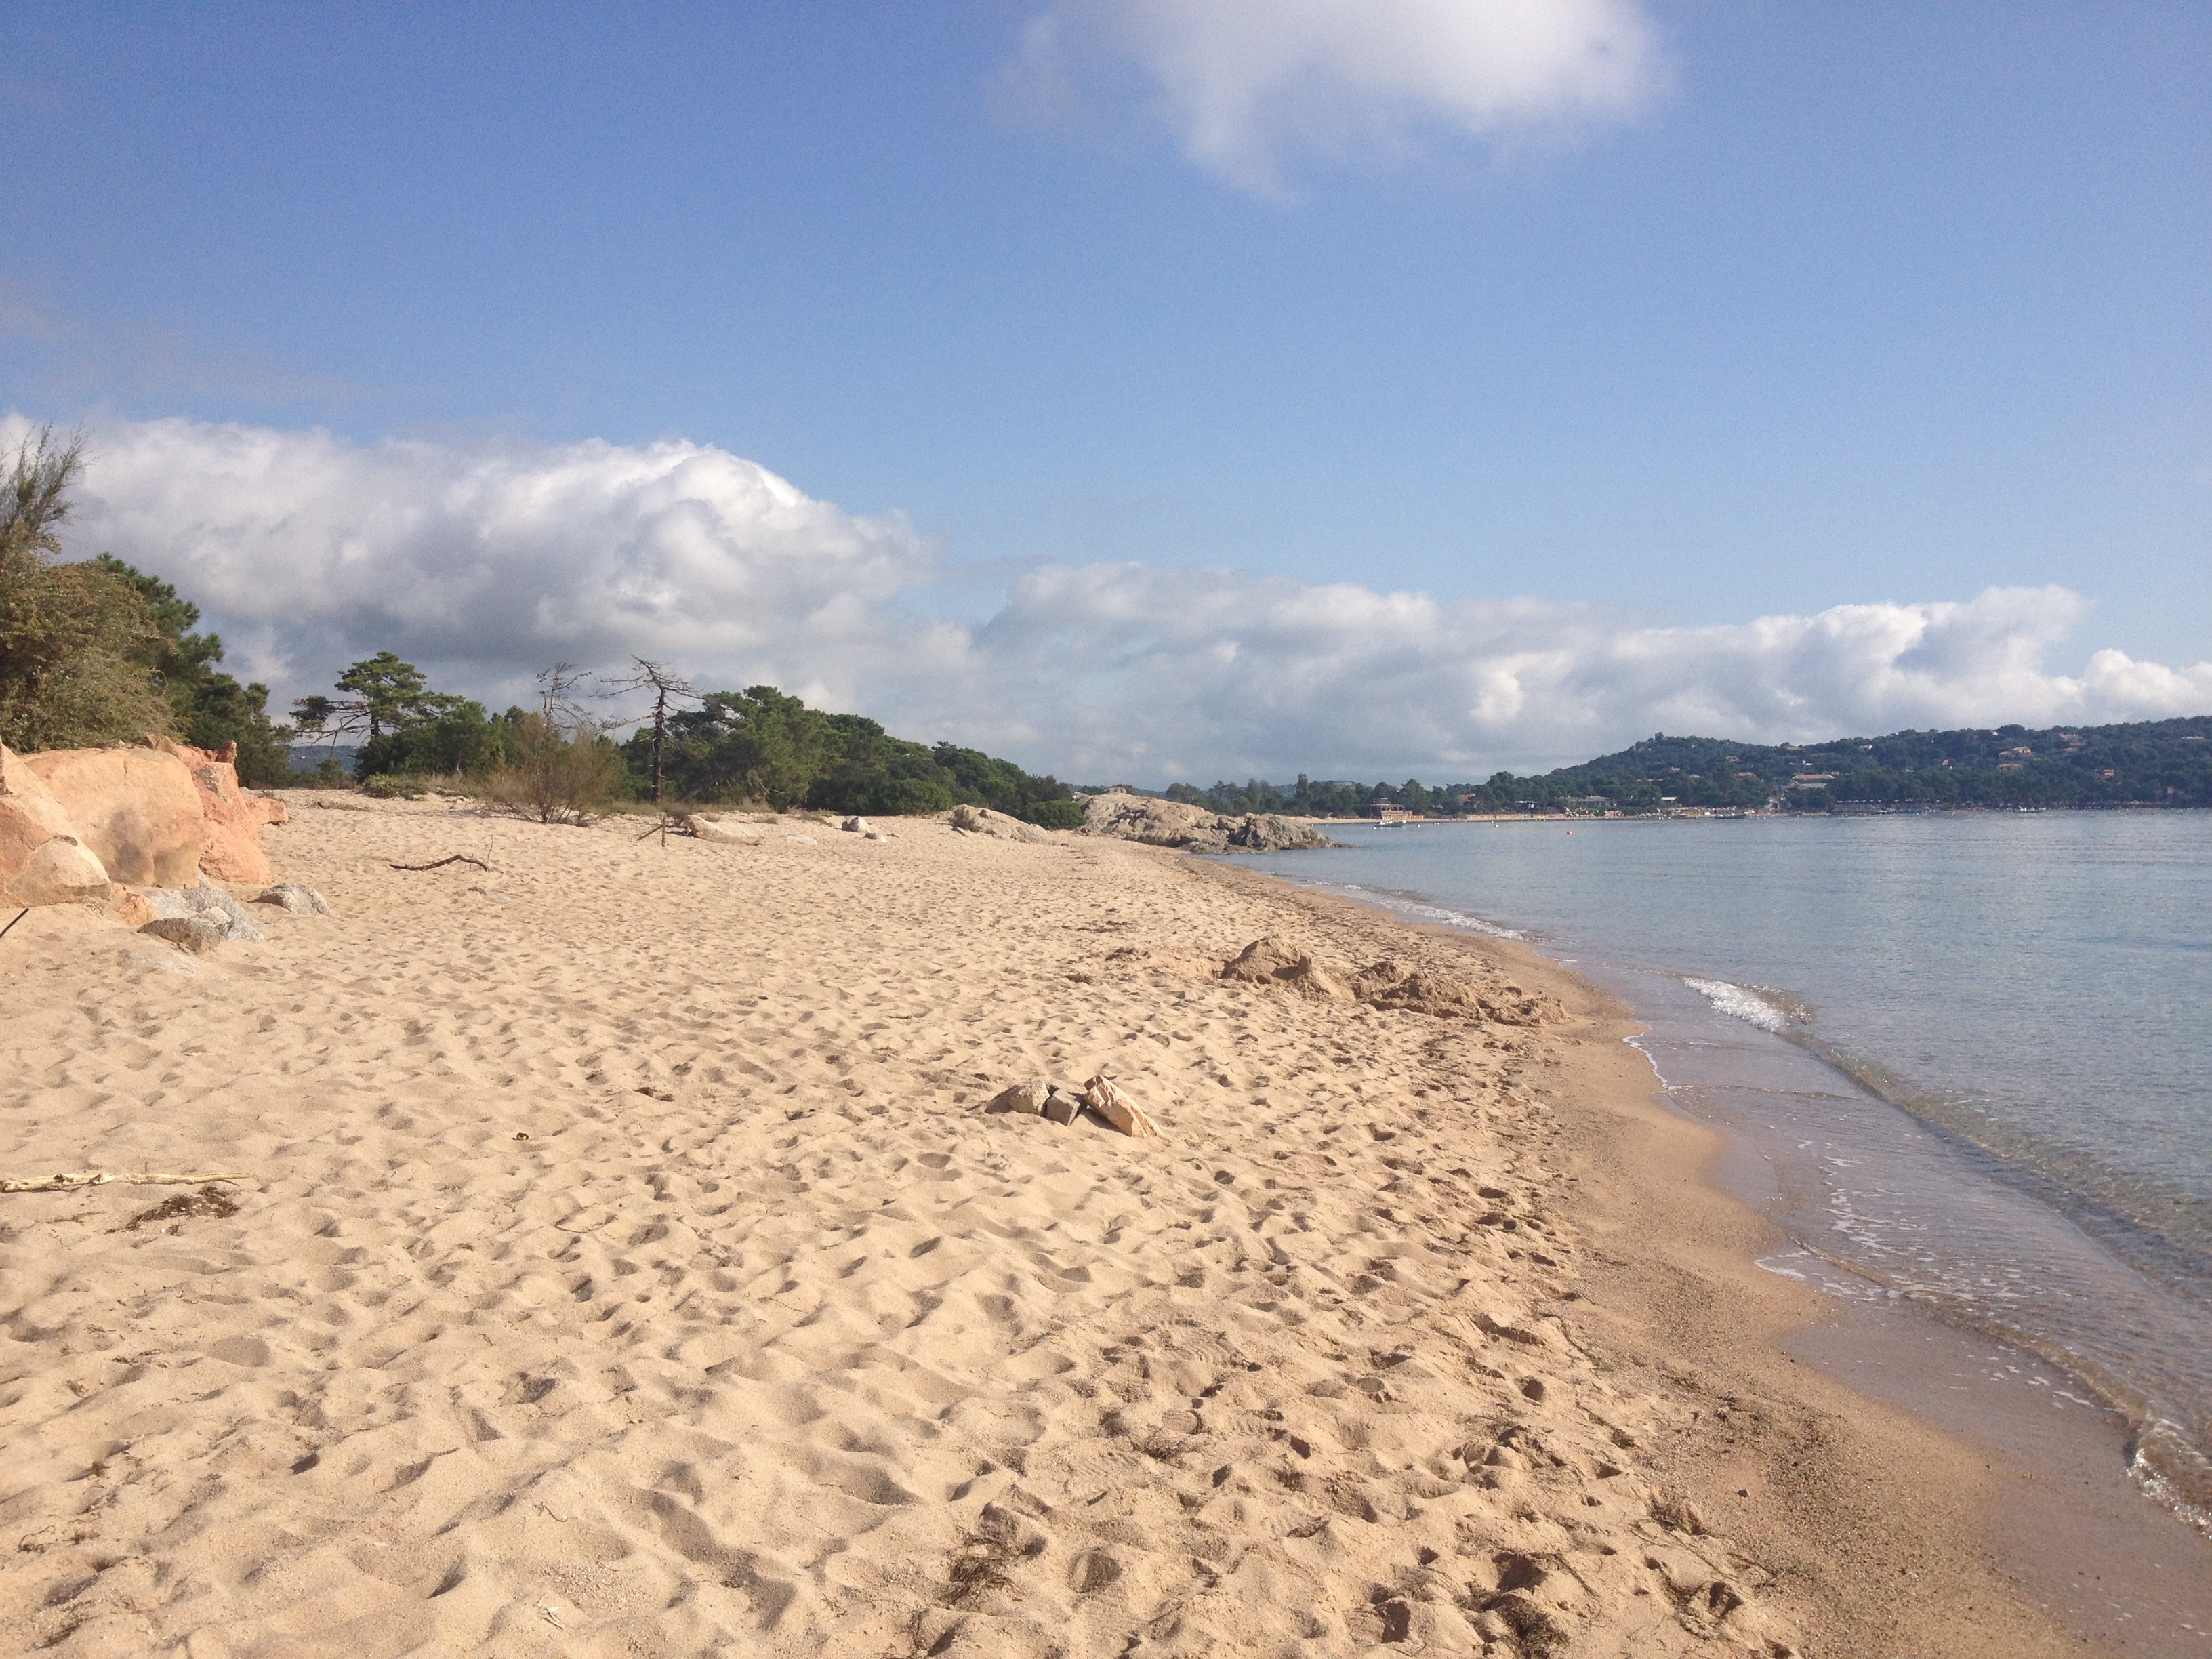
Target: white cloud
[[484, 562], [1247, 85]]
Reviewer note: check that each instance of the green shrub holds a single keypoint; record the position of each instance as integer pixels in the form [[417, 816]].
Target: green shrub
[[1055, 814], [554, 778], [384, 787]]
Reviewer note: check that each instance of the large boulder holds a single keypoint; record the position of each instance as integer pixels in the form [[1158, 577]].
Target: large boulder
[[137, 810], [1158, 823], [30, 817], [982, 821], [233, 852], [58, 871], [727, 832]]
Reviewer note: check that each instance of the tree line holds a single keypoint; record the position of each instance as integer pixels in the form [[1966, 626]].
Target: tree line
[[96, 652], [2142, 764]]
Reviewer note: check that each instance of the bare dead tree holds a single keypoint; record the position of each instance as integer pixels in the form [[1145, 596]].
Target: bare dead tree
[[666, 687]]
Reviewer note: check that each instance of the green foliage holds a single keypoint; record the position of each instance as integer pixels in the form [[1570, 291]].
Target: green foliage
[[1057, 814], [555, 776], [459, 739], [2148, 763], [76, 642], [383, 786], [761, 745], [208, 707]]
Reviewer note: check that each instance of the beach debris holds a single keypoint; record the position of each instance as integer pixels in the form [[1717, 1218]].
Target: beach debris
[[61, 870], [71, 1181], [204, 901], [1104, 1096], [1269, 961], [440, 864], [209, 1200], [297, 897], [1027, 1096], [196, 934]]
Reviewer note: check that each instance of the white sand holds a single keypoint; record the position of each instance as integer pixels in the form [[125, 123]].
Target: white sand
[[766, 1339]]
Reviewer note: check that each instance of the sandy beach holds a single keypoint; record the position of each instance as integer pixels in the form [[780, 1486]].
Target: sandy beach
[[622, 1262]]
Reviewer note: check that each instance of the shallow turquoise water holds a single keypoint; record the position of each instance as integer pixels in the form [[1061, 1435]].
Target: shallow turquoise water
[[1976, 1048]]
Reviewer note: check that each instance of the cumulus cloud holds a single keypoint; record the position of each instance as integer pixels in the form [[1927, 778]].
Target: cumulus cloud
[[485, 562], [1245, 86]]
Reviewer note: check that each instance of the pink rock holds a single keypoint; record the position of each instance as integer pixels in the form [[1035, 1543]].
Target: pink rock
[[60, 872], [30, 817], [234, 821], [138, 811]]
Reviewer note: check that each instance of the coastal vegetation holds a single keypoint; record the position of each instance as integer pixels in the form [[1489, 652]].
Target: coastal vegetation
[[755, 745], [95, 652], [2146, 763]]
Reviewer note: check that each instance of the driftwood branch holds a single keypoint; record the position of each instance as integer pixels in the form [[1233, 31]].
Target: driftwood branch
[[70, 1182], [457, 857], [10, 928]]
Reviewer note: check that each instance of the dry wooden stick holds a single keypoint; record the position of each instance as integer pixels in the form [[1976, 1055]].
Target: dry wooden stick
[[10, 928], [70, 1182], [457, 857]]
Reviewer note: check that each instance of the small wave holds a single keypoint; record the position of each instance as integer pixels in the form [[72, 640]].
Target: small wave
[[1770, 1010], [1435, 915]]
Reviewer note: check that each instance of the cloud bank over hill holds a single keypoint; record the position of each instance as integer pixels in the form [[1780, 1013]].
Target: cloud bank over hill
[[485, 562], [1248, 87]]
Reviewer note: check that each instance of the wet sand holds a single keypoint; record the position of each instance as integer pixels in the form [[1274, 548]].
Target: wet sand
[[627, 1266]]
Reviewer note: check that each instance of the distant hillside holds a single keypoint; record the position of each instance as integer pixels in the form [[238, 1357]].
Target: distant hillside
[[2152, 763]]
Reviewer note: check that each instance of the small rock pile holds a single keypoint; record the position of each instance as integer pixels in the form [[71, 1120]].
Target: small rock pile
[[1040, 1096], [199, 918]]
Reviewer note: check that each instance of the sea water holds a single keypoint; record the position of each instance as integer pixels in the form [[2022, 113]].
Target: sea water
[[1974, 1049]]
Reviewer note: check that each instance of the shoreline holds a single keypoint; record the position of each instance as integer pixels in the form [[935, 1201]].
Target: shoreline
[[627, 1264], [2061, 1521]]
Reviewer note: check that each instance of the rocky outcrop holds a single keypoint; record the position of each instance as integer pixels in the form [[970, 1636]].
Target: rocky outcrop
[[982, 821], [59, 871], [137, 810], [204, 901], [1193, 829], [234, 819], [30, 817]]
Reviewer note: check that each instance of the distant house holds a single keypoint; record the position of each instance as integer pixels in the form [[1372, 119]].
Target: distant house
[[1384, 812], [1813, 777]]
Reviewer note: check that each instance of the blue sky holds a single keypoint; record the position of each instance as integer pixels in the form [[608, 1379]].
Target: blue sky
[[1835, 306]]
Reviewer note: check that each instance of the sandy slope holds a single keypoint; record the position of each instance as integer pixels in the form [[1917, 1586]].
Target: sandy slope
[[628, 1268]]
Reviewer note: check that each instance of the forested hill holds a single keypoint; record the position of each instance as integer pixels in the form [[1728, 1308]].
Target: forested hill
[[2154, 763]]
